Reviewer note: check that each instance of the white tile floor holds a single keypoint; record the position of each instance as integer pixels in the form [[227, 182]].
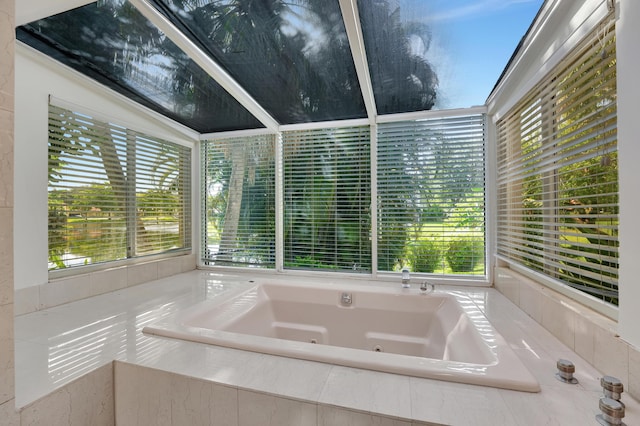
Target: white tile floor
[[57, 345]]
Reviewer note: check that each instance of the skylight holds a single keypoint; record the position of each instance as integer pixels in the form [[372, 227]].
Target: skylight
[[293, 62]]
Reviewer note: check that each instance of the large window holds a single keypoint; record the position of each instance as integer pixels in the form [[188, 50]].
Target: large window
[[557, 173], [327, 199], [238, 178], [113, 193], [430, 186], [431, 199]]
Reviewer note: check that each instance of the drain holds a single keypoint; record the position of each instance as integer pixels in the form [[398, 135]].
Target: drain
[[313, 341], [377, 348]]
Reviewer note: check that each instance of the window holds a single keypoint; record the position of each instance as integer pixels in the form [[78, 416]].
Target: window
[[557, 173], [113, 193], [238, 178], [430, 195], [327, 199], [431, 200]]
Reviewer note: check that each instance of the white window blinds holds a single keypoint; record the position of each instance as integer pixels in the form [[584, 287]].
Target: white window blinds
[[327, 198], [431, 195], [557, 172], [238, 178], [113, 193]]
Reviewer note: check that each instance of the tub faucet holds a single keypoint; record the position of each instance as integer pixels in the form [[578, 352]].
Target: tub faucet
[[406, 277]]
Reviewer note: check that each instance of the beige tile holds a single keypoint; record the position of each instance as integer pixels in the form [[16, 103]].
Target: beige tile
[[6, 158], [92, 399], [65, 290], [108, 280], [85, 401], [142, 273], [188, 262], [458, 404], [7, 362], [267, 410], [6, 255], [169, 267], [26, 300], [559, 319], [507, 284], [584, 338], [531, 301], [142, 395], [53, 409], [611, 354], [368, 391], [8, 414], [332, 416], [7, 53], [633, 387], [198, 402], [551, 406]]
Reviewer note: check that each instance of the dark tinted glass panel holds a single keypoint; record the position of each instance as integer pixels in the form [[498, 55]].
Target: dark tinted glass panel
[[438, 54], [114, 44], [292, 57], [403, 79]]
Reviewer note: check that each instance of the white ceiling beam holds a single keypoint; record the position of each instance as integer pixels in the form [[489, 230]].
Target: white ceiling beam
[[207, 63], [32, 10], [351, 18]]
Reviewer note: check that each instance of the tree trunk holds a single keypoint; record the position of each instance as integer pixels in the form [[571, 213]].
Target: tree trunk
[[234, 203]]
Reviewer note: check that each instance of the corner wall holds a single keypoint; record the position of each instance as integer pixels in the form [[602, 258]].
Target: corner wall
[[7, 366]]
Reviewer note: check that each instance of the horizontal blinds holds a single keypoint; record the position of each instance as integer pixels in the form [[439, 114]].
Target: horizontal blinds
[[327, 198], [238, 178], [113, 193], [557, 172], [431, 195]]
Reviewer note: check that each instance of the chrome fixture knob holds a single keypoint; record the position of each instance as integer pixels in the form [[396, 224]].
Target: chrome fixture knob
[[425, 286], [612, 387], [565, 371], [612, 412], [406, 278]]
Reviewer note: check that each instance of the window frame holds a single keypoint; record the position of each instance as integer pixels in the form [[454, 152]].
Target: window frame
[[550, 94], [375, 274], [144, 141]]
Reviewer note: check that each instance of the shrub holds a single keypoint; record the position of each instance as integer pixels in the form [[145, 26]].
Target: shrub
[[463, 255], [425, 256]]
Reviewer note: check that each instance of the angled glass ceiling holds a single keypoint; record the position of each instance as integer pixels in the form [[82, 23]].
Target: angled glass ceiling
[[288, 61], [113, 43], [292, 57]]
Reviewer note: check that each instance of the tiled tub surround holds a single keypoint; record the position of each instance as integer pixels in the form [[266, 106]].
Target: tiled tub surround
[[70, 289], [590, 334], [57, 345], [432, 334]]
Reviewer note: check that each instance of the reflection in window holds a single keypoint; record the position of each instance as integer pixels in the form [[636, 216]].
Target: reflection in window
[[327, 184], [238, 178], [113, 43], [113, 193], [292, 57]]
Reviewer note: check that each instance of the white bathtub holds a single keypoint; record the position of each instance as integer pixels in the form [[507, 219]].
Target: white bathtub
[[442, 335]]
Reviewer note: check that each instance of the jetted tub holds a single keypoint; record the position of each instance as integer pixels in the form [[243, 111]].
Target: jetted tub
[[441, 335]]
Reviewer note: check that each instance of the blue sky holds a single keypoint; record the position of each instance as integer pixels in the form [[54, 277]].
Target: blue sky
[[472, 42]]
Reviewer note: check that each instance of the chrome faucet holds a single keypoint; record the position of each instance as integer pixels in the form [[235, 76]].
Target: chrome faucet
[[406, 277], [426, 286]]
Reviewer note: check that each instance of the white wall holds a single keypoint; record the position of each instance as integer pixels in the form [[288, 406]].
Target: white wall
[[628, 37], [37, 77]]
